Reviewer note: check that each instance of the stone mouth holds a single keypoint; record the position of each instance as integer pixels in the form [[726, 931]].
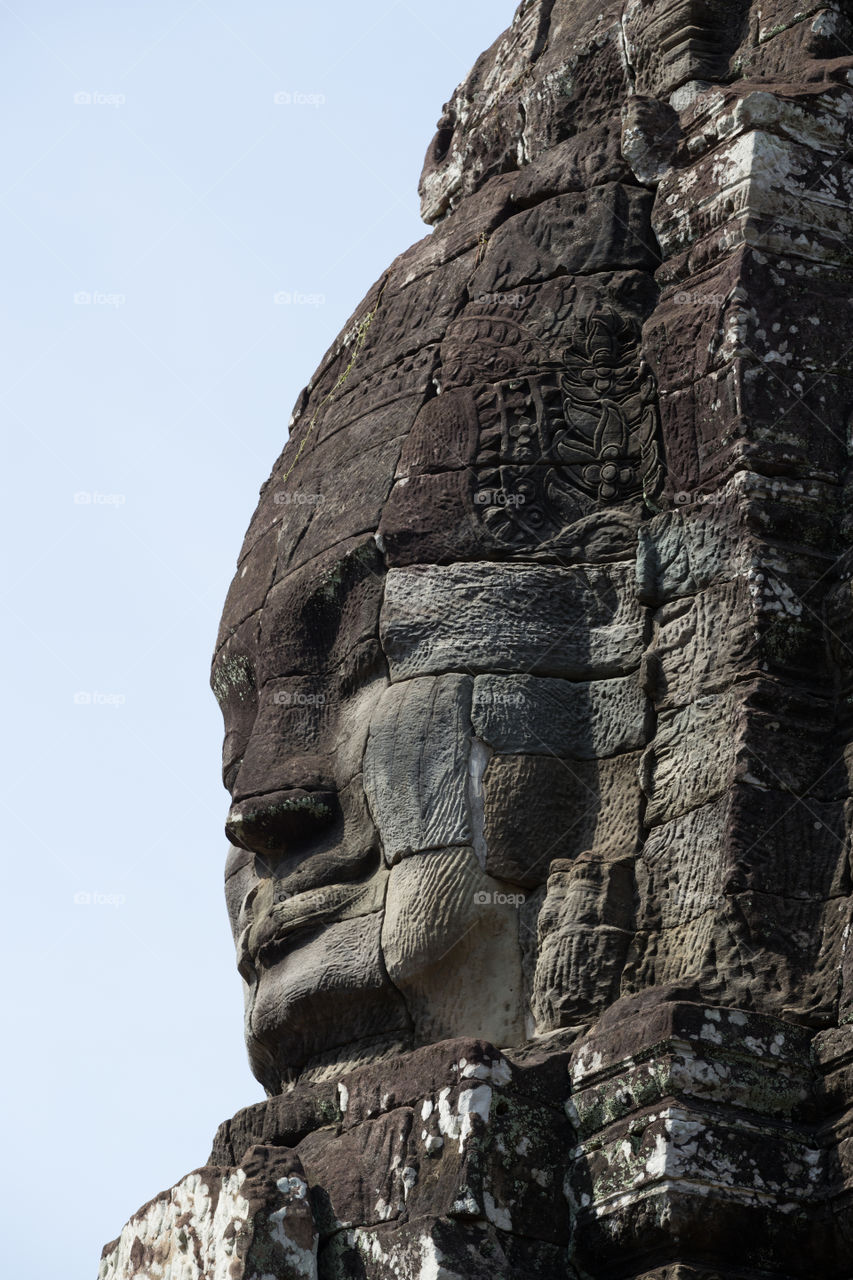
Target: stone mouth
[[287, 916]]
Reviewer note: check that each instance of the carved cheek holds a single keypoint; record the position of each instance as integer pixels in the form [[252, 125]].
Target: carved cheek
[[416, 765]]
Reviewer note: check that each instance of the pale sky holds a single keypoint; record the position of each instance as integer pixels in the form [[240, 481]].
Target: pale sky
[[156, 199]]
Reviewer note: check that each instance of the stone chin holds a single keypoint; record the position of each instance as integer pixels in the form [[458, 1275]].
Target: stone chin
[[326, 1004], [317, 993], [408, 957]]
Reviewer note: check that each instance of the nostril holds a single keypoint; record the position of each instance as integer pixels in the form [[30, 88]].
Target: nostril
[[269, 823]]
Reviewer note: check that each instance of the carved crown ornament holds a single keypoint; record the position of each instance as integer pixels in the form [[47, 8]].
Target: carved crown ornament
[[559, 444]]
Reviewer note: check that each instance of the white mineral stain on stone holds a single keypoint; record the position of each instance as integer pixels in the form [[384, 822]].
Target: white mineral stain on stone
[[498, 1073], [586, 1066], [432, 1263], [303, 1261], [471, 1102], [496, 1213], [686, 94], [343, 1098], [467, 1205], [211, 1246], [478, 760], [656, 1163], [382, 1210], [427, 1109]]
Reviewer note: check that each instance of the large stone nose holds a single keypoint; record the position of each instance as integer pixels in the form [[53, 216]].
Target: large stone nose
[[271, 823]]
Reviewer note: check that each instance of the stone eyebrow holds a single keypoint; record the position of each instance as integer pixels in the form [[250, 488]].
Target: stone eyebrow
[[233, 674]]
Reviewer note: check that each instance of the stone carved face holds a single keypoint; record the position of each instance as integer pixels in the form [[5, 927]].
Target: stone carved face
[[426, 718], [429, 658]]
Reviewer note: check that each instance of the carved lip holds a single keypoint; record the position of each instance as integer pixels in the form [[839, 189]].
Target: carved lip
[[291, 914]]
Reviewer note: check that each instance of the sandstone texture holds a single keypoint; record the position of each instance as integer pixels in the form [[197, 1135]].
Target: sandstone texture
[[537, 672]]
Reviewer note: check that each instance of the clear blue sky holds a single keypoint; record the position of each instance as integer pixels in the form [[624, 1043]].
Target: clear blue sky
[[148, 379]]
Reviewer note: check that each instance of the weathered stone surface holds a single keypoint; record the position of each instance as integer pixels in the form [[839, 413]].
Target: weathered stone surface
[[736, 629], [539, 808], [587, 721], [605, 228], [448, 1248], [323, 616], [303, 988], [578, 624], [245, 1223], [737, 738], [444, 911], [674, 1102], [585, 929], [416, 765]]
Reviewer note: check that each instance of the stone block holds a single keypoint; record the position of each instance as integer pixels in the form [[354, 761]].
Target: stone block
[[585, 929], [445, 914], [416, 765], [529, 715], [539, 808], [577, 623], [691, 1133], [598, 230]]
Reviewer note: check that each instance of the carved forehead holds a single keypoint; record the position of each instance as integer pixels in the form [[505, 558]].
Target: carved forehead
[[458, 417], [540, 445]]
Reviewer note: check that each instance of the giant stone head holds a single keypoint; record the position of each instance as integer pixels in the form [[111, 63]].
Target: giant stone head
[[449, 709]]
